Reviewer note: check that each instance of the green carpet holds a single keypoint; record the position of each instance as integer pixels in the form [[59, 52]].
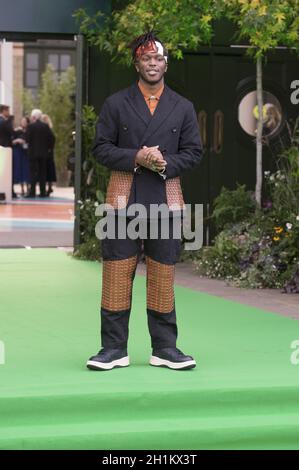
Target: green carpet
[[243, 393]]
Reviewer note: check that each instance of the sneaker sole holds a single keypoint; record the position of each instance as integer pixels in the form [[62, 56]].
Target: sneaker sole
[[95, 365], [158, 362]]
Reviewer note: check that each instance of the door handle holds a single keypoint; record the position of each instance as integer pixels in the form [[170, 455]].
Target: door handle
[[202, 124], [218, 122]]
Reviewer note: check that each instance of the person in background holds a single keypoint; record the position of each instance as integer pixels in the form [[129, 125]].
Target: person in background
[[272, 119], [21, 173], [51, 168], [39, 139], [6, 131], [6, 128]]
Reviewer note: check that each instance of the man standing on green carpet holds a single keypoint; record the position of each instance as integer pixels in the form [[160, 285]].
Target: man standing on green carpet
[[148, 136]]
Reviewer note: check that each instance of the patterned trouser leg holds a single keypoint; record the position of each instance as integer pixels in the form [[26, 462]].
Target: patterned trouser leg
[[161, 304], [118, 276]]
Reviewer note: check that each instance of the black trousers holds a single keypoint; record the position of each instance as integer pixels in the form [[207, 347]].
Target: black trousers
[[38, 173], [120, 259]]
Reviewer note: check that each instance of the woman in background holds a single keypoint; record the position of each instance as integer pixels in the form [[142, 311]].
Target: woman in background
[[21, 172], [51, 169], [272, 118]]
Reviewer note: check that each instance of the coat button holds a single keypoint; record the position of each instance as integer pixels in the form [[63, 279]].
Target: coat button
[[174, 130], [125, 127]]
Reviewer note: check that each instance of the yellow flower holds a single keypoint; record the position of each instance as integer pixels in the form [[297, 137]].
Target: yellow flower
[[279, 16], [262, 11], [278, 229], [276, 239], [255, 3], [206, 18]]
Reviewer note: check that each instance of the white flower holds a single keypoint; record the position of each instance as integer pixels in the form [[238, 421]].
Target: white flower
[[297, 218], [272, 178], [96, 204], [289, 226], [266, 173]]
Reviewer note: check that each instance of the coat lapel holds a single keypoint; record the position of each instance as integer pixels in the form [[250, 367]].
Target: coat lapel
[[165, 106], [136, 100]]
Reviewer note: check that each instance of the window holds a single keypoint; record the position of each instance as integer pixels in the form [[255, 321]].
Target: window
[[31, 78], [36, 59], [59, 61], [32, 60], [53, 59], [65, 61], [31, 69]]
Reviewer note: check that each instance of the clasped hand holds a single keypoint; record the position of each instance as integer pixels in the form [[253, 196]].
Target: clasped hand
[[152, 158]]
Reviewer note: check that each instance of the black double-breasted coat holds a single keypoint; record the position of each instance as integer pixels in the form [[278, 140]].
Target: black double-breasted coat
[[125, 125]]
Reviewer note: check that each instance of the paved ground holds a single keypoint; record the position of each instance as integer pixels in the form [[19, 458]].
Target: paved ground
[[38, 222]]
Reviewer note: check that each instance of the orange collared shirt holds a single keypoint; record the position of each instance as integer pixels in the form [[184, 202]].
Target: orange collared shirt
[[151, 100]]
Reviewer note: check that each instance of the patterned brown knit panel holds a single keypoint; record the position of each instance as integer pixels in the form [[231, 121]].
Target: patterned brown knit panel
[[119, 185], [117, 283], [160, 290], [174, 194]]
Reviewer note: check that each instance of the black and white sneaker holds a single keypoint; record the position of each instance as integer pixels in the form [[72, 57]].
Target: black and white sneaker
[[172, 358], [108, 359]]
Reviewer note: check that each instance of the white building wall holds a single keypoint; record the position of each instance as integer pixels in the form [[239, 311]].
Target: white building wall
[[6, 74]]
